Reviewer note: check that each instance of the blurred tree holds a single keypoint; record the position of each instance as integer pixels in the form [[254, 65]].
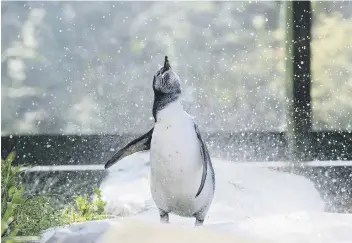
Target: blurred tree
[[87, 67], [332, 71]]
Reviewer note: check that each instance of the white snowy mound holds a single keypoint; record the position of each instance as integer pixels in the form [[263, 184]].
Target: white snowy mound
[[254, 202], [242, 192], [251, 205], [134, 231]]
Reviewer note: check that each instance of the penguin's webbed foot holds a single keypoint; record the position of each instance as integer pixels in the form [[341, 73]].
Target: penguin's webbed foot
[[164, 216], [199, 222]]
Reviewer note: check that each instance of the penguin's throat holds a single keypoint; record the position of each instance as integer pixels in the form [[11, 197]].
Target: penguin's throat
[[164, 101]]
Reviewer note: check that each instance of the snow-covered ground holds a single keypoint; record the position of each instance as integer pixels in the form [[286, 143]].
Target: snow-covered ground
[[257, 203]]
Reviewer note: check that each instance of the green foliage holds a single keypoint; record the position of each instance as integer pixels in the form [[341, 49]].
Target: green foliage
[[36, 215], [83, 209], [21, 215], [11, 198], [25, 216]]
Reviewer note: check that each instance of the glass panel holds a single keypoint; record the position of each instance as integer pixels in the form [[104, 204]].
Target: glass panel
[[331, 65], [87, 67]]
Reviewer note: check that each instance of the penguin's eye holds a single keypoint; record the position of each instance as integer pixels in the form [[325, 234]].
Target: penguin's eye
[[160, 71]]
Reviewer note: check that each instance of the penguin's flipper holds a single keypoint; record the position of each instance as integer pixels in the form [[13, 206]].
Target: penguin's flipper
[[206, 159], [139, 144]]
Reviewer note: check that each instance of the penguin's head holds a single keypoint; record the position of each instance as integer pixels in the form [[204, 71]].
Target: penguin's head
[[166, 81]]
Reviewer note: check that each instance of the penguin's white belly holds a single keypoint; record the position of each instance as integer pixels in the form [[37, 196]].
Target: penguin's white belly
[[177, 166]]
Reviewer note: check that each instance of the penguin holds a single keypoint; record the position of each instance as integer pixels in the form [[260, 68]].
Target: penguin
[[182, 177]]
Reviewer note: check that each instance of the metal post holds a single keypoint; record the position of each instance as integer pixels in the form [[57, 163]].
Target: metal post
[[298, 37]]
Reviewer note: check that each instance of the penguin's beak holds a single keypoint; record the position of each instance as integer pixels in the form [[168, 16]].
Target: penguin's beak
[[166, 66]]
